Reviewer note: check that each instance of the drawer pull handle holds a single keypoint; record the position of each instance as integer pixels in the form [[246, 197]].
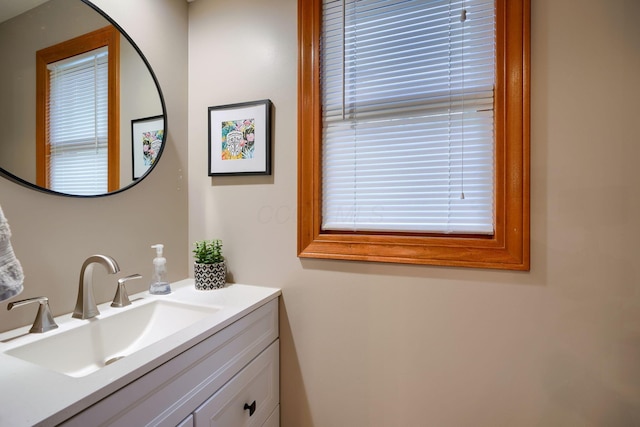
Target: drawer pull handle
[[251, 408]]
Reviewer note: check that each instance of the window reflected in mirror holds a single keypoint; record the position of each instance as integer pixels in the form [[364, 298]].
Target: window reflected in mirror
[[77, 151]]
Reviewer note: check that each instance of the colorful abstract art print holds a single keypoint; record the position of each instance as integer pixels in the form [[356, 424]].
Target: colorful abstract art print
[[151, 144], [238, 139]]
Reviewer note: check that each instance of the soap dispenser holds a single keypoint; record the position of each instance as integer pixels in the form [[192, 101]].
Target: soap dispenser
[[159, 283]]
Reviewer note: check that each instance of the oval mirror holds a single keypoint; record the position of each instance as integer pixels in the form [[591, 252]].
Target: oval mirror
[[81, 111]]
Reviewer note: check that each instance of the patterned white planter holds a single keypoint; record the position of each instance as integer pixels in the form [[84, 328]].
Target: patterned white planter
[[210, 276]]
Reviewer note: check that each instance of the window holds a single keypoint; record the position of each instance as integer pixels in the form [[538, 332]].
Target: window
[[77, 149], [405, 155]]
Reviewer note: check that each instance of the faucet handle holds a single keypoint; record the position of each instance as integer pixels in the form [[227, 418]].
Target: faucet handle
[[122, 298], [44, 321]]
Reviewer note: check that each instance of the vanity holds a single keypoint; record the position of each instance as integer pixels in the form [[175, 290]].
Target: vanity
[[190, 358]]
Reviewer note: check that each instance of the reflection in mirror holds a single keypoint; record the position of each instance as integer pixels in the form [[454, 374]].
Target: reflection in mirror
[[25, 147]]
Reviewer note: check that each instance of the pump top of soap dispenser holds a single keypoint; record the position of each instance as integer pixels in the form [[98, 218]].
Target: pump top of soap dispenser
[[159, 283], [159, 259]]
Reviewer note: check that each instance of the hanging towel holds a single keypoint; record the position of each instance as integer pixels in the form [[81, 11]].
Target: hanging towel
[[11, 276]]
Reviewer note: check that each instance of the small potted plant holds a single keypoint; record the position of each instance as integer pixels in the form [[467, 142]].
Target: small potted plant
[[210, 267]]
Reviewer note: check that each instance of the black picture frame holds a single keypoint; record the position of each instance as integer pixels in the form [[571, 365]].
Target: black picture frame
[[240, 139], [147, 136]]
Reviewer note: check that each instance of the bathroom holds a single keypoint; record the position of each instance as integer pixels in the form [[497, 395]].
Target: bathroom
[[372, 344]]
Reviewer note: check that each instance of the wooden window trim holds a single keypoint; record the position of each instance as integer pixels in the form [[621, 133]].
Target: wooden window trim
[[109, 37], [508, 248]]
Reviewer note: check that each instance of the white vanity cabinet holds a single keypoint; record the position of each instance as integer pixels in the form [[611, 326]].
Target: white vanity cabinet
[[229, 379]]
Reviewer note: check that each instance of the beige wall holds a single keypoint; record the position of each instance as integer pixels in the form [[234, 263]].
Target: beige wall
[[388, 345], [53, 235]]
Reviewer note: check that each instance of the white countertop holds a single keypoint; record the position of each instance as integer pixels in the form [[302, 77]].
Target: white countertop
[[33, 395]]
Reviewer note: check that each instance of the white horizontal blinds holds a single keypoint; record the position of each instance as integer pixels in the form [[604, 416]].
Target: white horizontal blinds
[[408, 115], [78, 120]]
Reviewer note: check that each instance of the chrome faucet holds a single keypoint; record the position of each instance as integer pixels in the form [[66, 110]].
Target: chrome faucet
[[86, 304]]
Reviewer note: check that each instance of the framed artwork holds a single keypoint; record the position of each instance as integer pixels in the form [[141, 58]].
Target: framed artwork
[[240, 139], [147, 135]]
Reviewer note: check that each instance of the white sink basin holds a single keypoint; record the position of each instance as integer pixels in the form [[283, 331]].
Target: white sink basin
[[98, 342]]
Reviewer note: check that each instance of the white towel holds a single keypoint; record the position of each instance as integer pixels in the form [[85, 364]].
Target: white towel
[[11, 276]]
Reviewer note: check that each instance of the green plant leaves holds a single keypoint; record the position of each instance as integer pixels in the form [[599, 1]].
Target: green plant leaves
[[208, 251]]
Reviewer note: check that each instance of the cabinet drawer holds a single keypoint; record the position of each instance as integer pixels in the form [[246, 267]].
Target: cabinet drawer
[[187, 422], [274, 419], [248, 399], [169, 393]]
